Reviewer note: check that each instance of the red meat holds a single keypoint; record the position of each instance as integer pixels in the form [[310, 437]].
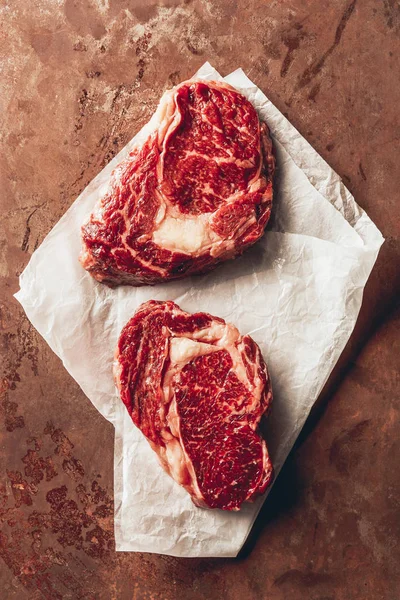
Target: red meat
[[198, 191], [197, 390]]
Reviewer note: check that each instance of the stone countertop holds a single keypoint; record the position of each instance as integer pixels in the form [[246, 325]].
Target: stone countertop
[[79, 79]]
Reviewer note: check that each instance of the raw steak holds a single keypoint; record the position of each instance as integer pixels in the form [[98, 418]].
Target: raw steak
[[197, 390], [197, 192]]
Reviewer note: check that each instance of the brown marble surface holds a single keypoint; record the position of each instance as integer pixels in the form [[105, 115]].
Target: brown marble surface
[[78, 80]]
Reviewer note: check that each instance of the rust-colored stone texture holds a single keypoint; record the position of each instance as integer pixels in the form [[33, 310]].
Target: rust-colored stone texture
[[79, 79]]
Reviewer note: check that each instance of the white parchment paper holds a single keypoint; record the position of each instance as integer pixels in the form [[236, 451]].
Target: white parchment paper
[[297, 292]]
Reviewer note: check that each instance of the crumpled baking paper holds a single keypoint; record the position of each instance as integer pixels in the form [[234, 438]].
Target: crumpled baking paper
[[297, 292]]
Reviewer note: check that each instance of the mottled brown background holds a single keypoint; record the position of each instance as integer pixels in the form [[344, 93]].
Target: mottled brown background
[[79, 79]]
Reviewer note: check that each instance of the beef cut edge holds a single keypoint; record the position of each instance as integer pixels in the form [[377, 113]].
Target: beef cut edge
[[197, 390], [198, 191]]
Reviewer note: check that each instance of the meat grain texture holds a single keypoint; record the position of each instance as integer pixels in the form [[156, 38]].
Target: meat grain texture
[[197, 390], [198, 191]]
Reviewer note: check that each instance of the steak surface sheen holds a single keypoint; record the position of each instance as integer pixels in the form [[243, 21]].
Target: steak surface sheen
[[197, 390], [198, 191]]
